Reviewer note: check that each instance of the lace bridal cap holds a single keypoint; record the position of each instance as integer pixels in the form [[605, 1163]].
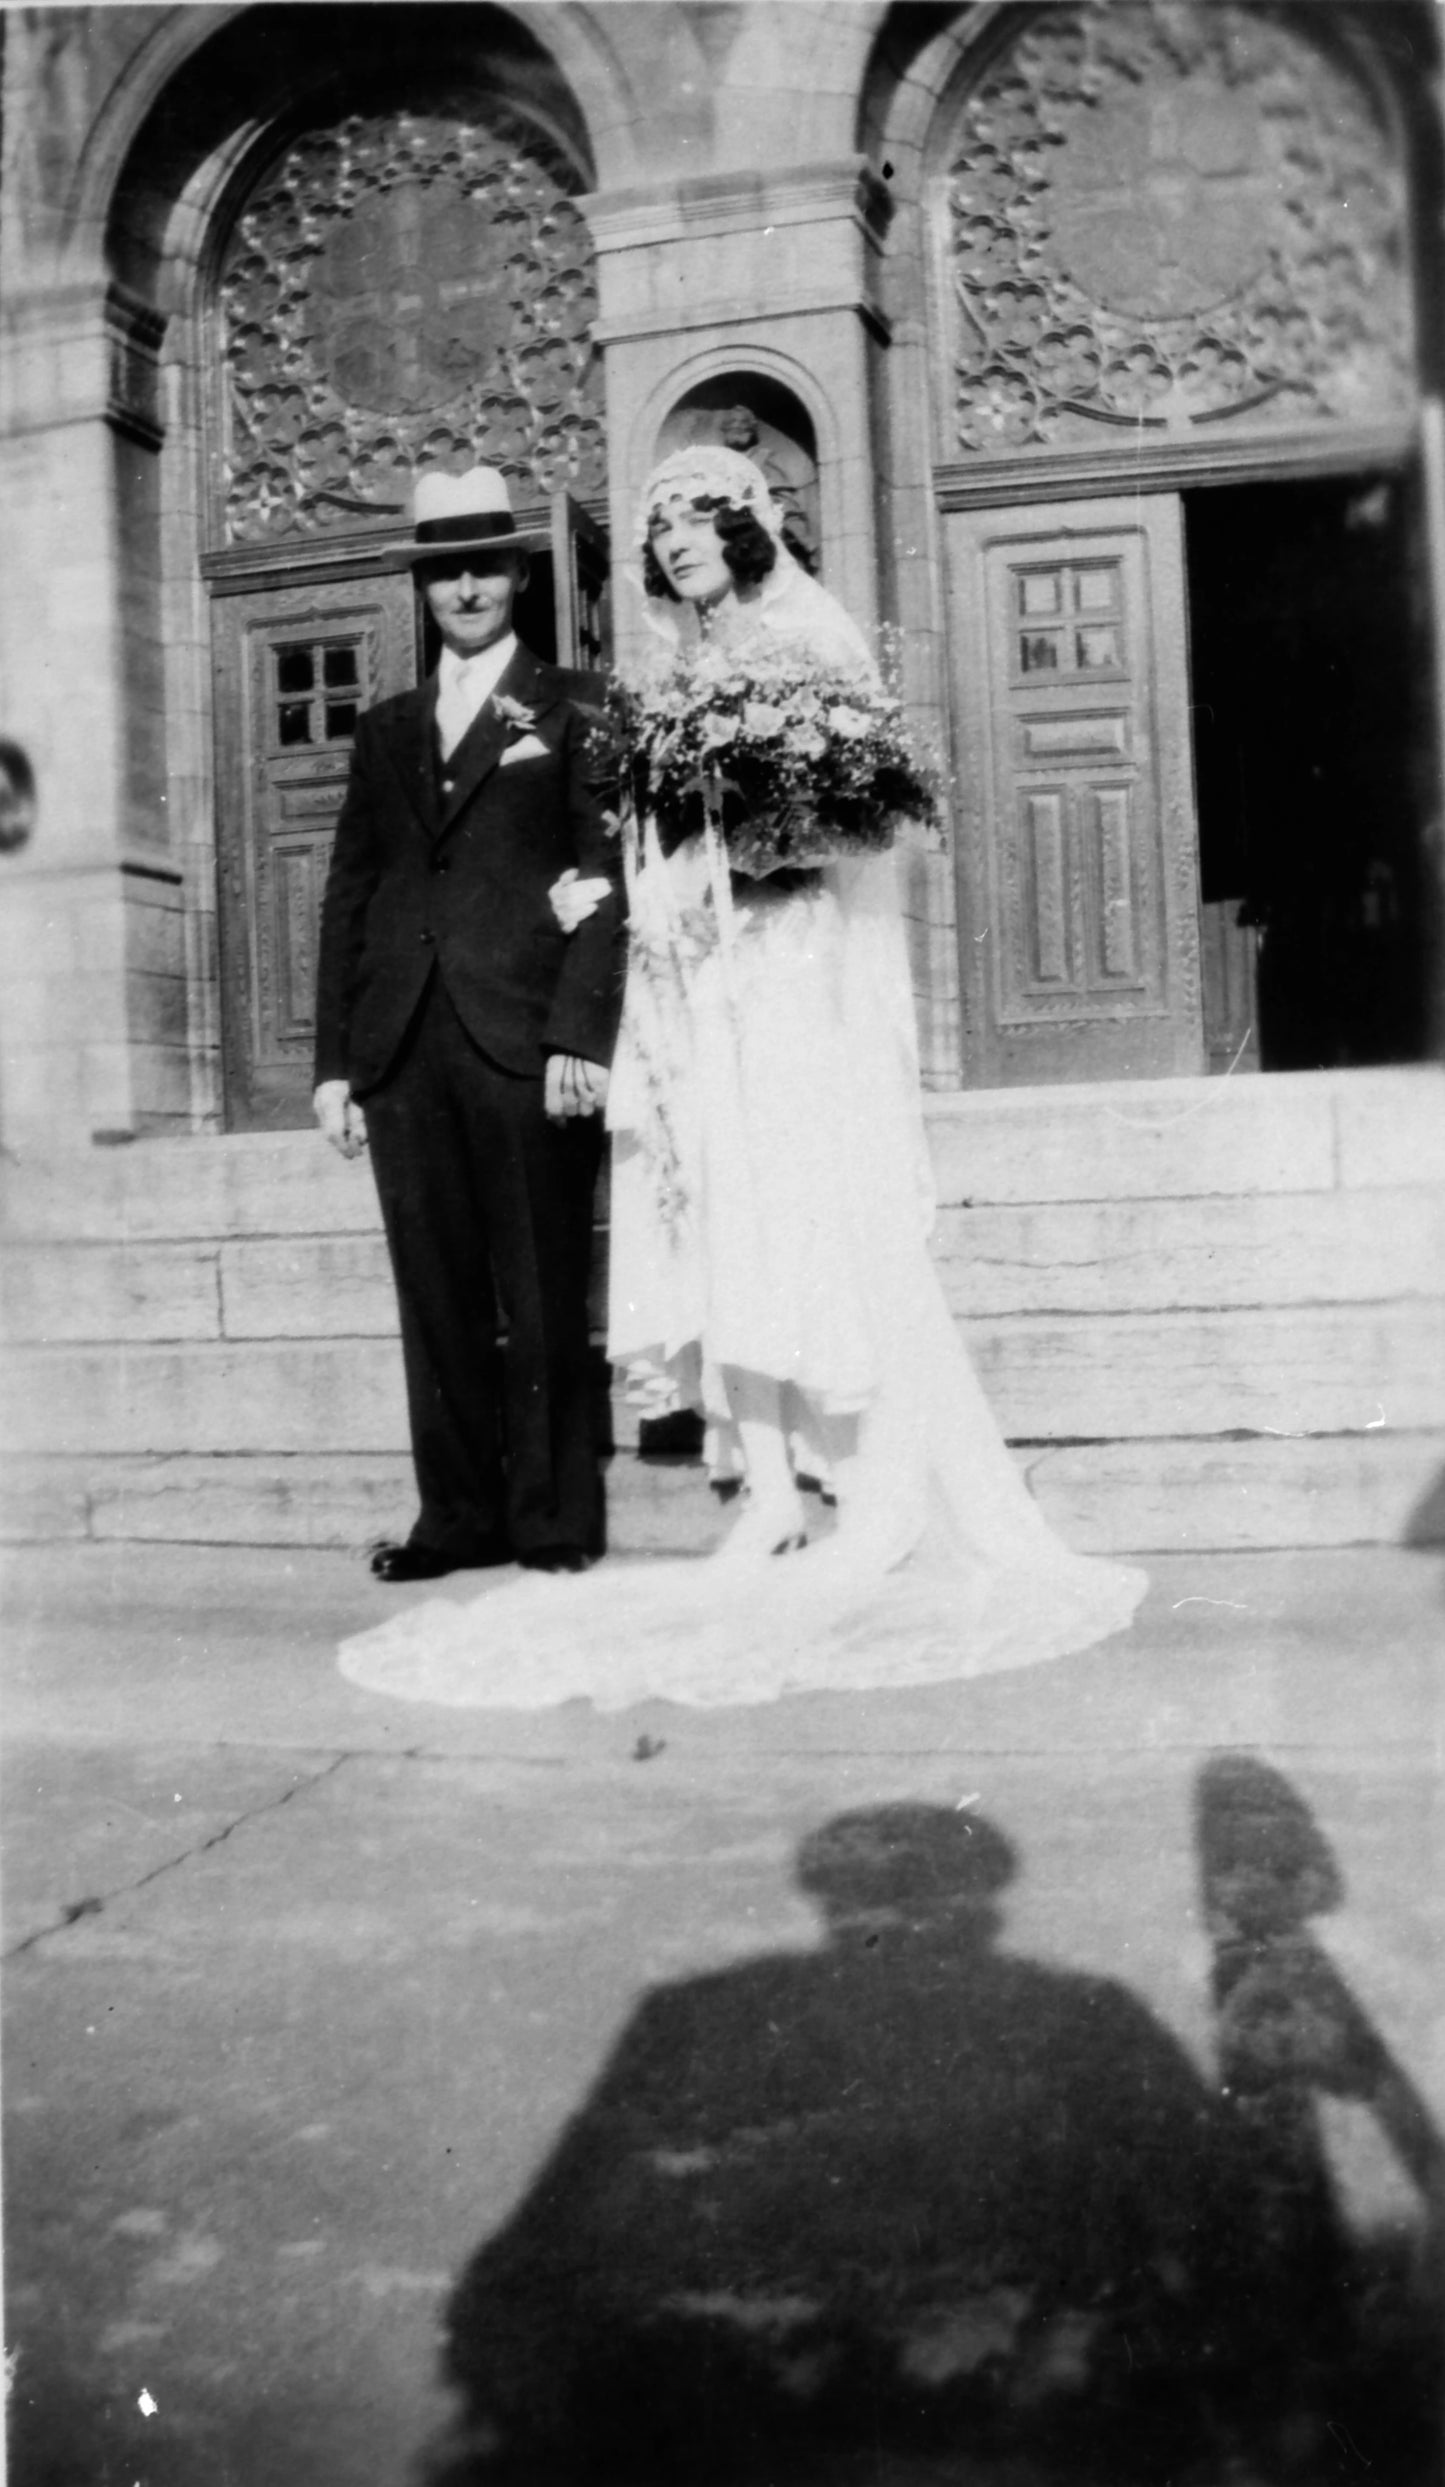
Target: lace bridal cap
[[708, 472]]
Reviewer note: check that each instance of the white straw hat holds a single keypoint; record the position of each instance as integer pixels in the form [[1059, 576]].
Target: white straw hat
[[468, 513]]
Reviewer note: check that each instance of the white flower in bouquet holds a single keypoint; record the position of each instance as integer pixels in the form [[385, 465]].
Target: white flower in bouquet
[[710, 665]]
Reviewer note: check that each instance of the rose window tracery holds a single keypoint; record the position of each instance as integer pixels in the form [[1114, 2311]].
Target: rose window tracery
[[407, 289], [1172, 213]]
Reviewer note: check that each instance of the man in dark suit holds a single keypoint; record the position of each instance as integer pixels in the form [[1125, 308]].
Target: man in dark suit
[[464, 1037]]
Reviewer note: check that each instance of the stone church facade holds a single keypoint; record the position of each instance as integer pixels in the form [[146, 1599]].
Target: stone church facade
[[1094, 348]]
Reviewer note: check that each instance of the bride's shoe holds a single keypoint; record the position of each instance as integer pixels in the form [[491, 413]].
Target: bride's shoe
[[763, 1529]]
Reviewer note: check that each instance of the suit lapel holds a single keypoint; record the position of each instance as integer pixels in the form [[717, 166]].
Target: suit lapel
[[481, 747], [410, 745]]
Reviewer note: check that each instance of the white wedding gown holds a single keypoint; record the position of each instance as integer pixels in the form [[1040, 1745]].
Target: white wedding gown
[[770, 1210]]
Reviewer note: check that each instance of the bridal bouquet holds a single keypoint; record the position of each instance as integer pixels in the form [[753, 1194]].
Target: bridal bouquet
[[790, 762]]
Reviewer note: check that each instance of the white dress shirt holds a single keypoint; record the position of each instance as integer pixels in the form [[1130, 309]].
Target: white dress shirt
[[465, 683]]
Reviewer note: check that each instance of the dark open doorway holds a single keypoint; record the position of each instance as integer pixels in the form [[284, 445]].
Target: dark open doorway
[[1316, 771]]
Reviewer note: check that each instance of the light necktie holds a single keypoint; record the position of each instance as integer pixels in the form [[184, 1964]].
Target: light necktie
[[458, 703]]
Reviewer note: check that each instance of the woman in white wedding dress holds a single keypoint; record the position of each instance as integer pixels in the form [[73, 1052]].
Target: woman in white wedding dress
[[770, 1265]]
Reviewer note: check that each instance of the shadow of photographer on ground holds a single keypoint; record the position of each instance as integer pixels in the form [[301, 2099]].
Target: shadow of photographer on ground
[[909, 2202]]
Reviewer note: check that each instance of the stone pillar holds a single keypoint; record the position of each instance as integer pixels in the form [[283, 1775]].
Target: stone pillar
[[92, 967], [772, 273], [776, 273]]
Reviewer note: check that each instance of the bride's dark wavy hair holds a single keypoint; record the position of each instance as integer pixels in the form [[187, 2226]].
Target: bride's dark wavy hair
[[747, 547]]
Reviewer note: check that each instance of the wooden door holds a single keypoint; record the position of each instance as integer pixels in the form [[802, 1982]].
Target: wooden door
[[294, 669], [582, 586], [1077, 861]]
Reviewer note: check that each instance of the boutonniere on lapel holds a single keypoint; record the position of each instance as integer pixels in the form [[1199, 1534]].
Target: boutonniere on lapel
[[523, 741], [519, 718]]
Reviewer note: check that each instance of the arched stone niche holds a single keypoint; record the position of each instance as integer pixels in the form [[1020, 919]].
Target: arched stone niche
[[817, 441], [754, 413]]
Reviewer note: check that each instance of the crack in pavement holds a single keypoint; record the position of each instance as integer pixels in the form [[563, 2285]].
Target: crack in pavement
[[96, 1906]]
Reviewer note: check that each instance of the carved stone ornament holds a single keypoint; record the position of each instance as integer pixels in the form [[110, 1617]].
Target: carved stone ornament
[[1168, 214], [407, 290]]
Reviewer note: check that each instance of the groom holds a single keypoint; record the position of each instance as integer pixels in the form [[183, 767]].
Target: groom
[[464, 1038]]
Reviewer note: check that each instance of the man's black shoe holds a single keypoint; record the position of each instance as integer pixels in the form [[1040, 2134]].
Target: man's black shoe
[[556, 1559], [413, 1562]]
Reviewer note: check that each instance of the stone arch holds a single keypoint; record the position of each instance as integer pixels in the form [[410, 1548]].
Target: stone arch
[[917, 89], [919, 77], [914, 63], [923, 73], [166, 169], [81, 230], [125, 128], [1167, 218], [920, 74]]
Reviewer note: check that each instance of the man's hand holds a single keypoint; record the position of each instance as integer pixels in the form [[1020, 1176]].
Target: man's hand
[[573, 1087], [340, 1116]]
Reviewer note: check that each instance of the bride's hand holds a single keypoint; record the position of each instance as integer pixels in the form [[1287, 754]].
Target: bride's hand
[[573, 900]]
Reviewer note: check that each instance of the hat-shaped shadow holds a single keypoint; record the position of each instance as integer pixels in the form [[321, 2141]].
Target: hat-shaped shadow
[[909, 1864]]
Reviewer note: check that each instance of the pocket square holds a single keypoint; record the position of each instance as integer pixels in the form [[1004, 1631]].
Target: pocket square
[[529, 747]]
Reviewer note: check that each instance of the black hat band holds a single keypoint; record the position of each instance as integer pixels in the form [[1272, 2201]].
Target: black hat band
[[499, 523]]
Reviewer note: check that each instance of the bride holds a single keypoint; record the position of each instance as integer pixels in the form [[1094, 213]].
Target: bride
[[769, 1260]]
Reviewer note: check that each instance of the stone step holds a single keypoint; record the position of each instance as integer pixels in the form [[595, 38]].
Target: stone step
[[1297, 1370], [1190, 1138], [1061, 1257], [1313, 1369], [1309, 1132], [1162, 1496], [1177, 1255], [248, 1183], [250, 1287], [203, 1337]]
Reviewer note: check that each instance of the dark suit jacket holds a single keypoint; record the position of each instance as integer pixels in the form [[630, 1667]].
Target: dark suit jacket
[[449, 865]]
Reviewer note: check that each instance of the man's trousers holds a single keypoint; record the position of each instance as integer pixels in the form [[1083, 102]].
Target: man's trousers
[[488, 1210]]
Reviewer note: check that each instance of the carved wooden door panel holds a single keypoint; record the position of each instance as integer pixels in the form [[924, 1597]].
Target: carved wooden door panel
[[1077, 843], [294, 667]]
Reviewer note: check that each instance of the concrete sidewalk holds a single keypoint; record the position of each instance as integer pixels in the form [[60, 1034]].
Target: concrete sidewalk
[[304, 1986]]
